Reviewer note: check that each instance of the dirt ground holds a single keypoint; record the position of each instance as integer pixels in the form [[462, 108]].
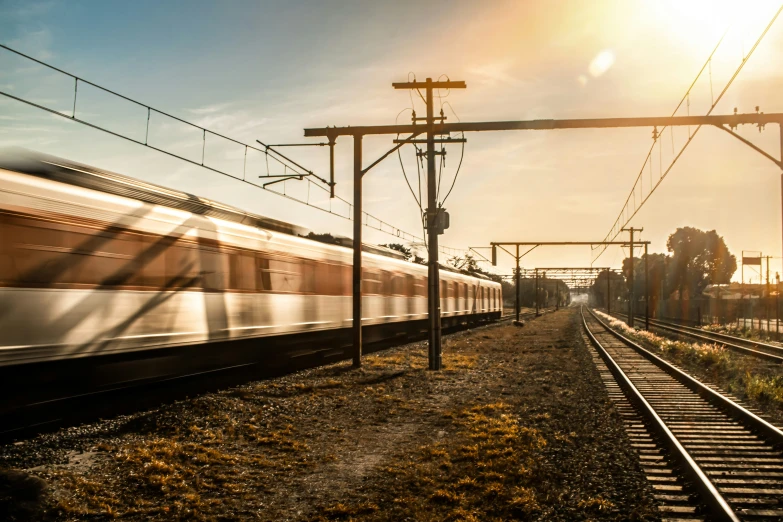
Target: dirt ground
[[517, 426]]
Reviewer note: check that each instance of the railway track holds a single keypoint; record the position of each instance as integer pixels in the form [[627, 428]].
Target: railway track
[[707, 457], [768, 352], [66, 409]]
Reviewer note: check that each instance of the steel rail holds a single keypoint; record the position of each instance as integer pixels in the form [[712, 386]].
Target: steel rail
[[731, 346], [719, 338], [720, 335], [707, 490], [772, 433]]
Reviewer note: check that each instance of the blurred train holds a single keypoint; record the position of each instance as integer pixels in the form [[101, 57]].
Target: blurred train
[[105, 279]]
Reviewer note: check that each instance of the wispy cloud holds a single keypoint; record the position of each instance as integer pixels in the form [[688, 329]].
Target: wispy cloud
[[36, 43], [26, 9], [210, 109], [495, 73]]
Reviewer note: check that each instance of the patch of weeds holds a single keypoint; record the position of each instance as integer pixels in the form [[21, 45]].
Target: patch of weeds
[[751, 378], [342, 511], [484, 469], [764, 389], [595, 505]]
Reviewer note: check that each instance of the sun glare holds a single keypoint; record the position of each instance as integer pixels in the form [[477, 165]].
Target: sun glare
[[699, 24], [601, 63]]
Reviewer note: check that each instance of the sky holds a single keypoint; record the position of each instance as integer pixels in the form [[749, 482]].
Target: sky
[[267, 70]]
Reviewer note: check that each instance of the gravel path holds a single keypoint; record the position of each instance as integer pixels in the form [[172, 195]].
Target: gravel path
[[517, 426]]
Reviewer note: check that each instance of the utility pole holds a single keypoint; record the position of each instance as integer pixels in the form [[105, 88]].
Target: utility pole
[[516, 287], [436, 217], [608, 292], [766, 301], [646, 290], [357, 250], [777, 305], [631, 293], [433, 278], [537, 307]]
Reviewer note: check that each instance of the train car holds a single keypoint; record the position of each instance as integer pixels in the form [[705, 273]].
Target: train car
[[106, 279]]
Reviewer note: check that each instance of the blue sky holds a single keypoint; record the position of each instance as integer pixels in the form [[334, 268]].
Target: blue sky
[[266, 70]]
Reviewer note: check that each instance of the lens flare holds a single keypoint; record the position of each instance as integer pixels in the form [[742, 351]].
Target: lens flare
[[601, 63]]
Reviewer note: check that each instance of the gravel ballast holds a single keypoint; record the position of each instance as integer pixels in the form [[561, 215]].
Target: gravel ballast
[[518, 425]]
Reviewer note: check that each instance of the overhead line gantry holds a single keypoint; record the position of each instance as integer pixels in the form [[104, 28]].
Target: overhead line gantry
[[436, 217], [534, 244]]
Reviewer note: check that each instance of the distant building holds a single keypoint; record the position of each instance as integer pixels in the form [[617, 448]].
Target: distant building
[[738, 291]]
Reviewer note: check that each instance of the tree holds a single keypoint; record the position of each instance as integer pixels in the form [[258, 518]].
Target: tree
[[402, 249], [699, 259], [323, 238], [616, 286]]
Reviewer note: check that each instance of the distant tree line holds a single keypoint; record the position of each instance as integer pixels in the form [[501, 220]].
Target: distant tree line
[[695, 259]]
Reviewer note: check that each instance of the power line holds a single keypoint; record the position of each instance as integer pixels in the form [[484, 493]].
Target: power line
[[630, 205], [291, 170]]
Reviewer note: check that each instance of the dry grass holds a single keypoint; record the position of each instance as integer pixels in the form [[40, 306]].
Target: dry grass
[[482, 440], [749, 377], [481, 469]]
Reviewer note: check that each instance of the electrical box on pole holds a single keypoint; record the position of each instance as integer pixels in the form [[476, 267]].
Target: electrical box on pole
[[440, 220]]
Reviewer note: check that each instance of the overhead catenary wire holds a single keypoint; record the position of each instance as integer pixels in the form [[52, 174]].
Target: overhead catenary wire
[[621, 221], [291, 170], [402, 167], [461, 156]]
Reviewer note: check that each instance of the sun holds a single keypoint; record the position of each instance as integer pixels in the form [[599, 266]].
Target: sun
[[698, 25]]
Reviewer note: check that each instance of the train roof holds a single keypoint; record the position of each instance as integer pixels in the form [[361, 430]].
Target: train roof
[[66, 171], [85, 176]]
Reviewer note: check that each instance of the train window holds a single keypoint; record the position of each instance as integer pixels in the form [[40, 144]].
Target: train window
[[213, 266], [371, 282], [182, 267], [397, 284], [308, 277], [281, 275], [386, 283], [328, 279], [55, 253], [420, 287], [409, 285], [242, 272]]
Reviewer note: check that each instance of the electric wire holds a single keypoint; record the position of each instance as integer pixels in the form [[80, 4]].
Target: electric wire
[[461, 156], [399, 156], [296, 171], [616, 229]]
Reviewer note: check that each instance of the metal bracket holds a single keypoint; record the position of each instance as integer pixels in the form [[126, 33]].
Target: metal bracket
[[773, 159], [282, 178]]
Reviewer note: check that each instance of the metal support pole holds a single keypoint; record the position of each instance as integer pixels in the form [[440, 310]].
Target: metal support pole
[[332, 140], [537, 307], [777, 305], [646, 290], [766, 301], [608, 292], [516, 286], [742, 293], [663, 289], [432, 237], [357, 250], [631, 294]]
